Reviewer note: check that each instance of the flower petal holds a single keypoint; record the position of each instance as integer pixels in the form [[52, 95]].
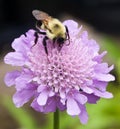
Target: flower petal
[[103, 68], [72, 107], [92, 98], [21, 97], [36, 106], [11, 77], [98, 58], [49, 107], [83, 116], [100, 85], [72, 25], [42, 98], [18, 44], [103, 94], [82, 99], [60, 106], [87, 90], [104, 77], [23, 80], [15, 59]]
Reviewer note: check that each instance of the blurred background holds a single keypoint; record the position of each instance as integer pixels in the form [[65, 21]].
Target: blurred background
[[101, 18]]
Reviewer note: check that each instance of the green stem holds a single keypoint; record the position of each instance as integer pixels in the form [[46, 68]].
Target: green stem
[[56, 120]]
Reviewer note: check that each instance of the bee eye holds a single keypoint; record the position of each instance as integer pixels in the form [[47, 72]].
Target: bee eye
[[39, 23], [60, 40]]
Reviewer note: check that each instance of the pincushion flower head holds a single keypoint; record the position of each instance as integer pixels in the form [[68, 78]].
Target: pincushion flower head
[[64, 79]]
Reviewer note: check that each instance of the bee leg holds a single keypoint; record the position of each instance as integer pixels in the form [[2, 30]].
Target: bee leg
[[54, 40], [43, 33], [37, 36], [68, 36], [45, 44]]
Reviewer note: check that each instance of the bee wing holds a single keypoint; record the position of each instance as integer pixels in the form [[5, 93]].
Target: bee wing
[[40, 15]]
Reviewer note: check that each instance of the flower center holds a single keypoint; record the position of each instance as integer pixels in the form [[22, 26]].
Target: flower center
[[60, 71]]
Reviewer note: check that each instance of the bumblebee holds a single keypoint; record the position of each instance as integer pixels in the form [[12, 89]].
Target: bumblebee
[[53, 29]]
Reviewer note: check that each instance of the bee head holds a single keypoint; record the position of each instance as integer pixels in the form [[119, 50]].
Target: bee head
[[60, 40]]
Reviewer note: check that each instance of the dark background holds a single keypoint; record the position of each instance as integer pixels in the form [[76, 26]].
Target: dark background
[[16, 17]]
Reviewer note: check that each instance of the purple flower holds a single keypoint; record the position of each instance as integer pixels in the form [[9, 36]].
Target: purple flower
[[65, 79]]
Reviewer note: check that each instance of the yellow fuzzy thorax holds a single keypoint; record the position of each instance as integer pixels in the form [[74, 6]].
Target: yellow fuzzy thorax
[[54, 29]]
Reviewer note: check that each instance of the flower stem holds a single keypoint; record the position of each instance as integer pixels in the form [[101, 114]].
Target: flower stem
[[56, 120]]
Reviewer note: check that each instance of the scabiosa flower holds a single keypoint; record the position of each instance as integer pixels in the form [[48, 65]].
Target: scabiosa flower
[[66, 78]]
